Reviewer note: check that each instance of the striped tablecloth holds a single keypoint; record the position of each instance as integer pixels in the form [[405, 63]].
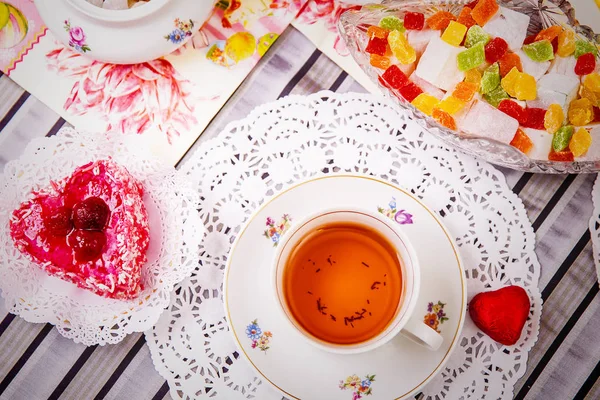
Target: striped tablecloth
[[37, 363]]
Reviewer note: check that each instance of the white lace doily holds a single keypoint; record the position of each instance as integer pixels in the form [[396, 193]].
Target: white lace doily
[[595, 225], [175, 235], [299, 137]]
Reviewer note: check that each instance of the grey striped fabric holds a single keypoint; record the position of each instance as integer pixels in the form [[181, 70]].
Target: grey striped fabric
[[37, 363]]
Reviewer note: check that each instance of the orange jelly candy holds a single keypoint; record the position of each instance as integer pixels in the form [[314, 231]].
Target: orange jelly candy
[[564, 155], [521, 141], [465, 17], [508, 61], [444, 118], [464, 91], [484, 11], [550, 33], [375, 31], [380, 62], [440, 20]]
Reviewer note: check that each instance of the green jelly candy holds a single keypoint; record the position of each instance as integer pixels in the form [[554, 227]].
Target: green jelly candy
[[471, 58], [496, 96], [490, 79], [583, 46], [562, 137], [476, 35], [392, 23], [539, 51]]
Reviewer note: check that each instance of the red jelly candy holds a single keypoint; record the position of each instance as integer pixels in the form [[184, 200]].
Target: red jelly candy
[[414, 20], [564, 155], [586, 64], [410, 91], [376, 46], [596, 114], [513, 109], [530, 39], [472, 4], [495, 49], [394, 77], [465, 17], [535, 118], [508, 61], [555, 44]]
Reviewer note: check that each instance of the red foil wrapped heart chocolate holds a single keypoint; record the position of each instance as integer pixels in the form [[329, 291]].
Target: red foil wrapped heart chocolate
[[501, 314], [90, 229]]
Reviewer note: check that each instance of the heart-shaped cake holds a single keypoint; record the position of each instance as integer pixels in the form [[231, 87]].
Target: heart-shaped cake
[[90, 229]]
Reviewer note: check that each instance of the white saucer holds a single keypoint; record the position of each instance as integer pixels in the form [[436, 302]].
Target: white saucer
[[284, 358]]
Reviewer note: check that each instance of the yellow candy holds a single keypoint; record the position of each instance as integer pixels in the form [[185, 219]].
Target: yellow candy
[[509, 81], [426, 103], [581, 112], [473, 76], [554, 118], [592, 81], [400, 47], [580, 142], [586, 93], [454, 33], [525, 87], [566, 43], [451, 105]]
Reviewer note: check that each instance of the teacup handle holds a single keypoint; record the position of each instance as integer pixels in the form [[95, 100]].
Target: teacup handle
[[421, 333]]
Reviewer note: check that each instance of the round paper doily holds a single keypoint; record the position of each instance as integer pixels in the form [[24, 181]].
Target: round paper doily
[[175, 235], [295, 138], [595, 225]]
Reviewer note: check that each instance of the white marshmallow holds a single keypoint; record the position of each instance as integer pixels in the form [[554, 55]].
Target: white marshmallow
[[555, 88], [438, 64], [563, 66], [419, 39], [427, 87], [546, 97], [487, 121], [509, 25], [406, 68], [533, 68], [115, 5], [542, 142]]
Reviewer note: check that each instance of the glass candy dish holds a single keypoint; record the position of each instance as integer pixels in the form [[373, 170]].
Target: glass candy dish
[[353, 26]]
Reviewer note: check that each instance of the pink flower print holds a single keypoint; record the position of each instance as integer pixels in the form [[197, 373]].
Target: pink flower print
[[254, 343], [270, 221], [403, 218], [356, 396], [77, 35]]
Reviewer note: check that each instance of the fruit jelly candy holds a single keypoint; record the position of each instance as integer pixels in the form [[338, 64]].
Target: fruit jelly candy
[[438, 64], [566, 43], [471, 58], [509, 61], [535, 118], [484, 11], [561, 156], [440, 20], [380, 62], [465, 17], [451, 105], [586, 93], [586, 64], [375, 31], [522, 142], [410, 91], [425, 103], [490, 79], [549, 33], [420, 39], [533, 68], [426, 86], [596, 114], [581, 112], [414, 20], [563, 66], [554, 43], [495, 49], [513, 109], [465, 90], [525, 87], [539, 51], [554, 118], [583, 46], [392, 23], [394, 77], [496, 96], [444, 119], [376, 46], [592, 82], [400, 47], [472, 4], [454, 33], [580, 142], [475, 35], [509, 25], [542, 143], [510, 80], [561, 138], [484, 120], [473, 76]]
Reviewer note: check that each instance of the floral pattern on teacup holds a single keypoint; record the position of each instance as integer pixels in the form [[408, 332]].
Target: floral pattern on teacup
[[183, 29], [259, 338], [76, 37], [274, 231], [400, 216], [359, 387], [435, 315]]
